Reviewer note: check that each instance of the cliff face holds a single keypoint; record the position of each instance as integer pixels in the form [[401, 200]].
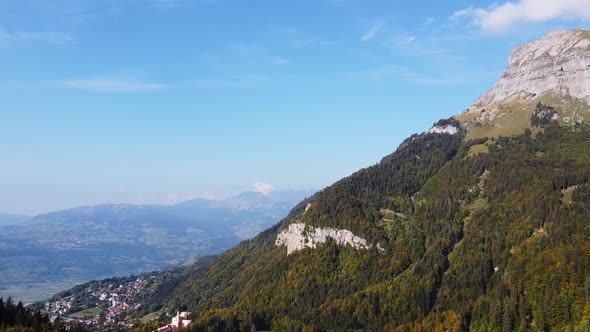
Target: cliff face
[[296, 238], [560, 62]]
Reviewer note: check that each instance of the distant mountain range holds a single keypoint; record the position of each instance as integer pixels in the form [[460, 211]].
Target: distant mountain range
[[90, 242], [12, 219]]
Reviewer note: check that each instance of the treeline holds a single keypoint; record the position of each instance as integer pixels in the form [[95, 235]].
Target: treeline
[[354, 202], [17, 317]]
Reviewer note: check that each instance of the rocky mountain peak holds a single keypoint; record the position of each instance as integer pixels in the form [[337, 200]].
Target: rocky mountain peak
[[559, 62]]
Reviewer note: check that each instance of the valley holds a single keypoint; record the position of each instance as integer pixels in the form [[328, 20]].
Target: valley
[[118, 302], [55, 251]]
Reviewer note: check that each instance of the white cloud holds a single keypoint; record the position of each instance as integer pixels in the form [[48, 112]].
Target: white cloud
[[51, 38], [472, 15], [263, 187], [109, 85], [372, 32], [501, 18]]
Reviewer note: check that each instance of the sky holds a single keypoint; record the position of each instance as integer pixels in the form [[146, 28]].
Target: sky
[[161, 101]]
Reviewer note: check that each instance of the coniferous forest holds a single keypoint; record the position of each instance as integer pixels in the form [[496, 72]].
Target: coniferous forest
[[492, 241], [16, 318]]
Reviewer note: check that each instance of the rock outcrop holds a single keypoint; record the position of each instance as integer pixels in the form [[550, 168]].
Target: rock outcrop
[[296, 237], [559, 62], [448, 129]]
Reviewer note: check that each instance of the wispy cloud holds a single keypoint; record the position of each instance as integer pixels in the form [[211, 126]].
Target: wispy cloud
[[237, 56], [133, 84], [8, 38], [413, 46], [279, 61], [408, 40], [167, 4], [110, 85], [297, 39], [241, 81], [500, 18], [471, 15], [88, 9], [372, 32]]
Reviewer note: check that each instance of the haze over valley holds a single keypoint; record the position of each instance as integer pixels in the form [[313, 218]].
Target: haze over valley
[[48, 253]]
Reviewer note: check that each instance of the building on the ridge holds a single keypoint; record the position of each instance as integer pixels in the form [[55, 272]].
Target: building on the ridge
[[180, 320]]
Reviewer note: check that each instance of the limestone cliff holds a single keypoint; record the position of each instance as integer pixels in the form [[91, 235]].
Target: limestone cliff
[[559, 62], [296, 237], [554, 70]]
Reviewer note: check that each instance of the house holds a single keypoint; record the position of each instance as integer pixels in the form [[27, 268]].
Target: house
[[180, 320]]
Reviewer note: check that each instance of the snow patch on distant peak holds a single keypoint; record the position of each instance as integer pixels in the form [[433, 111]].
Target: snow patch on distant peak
[[448, 129], [296, 237]]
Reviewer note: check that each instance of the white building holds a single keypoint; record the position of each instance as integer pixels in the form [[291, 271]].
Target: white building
[[180, 320]]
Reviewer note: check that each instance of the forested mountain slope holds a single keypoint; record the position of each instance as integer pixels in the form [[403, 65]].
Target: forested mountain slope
[[456, 240]]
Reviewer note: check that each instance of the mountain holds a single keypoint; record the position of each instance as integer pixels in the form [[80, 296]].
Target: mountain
[[553, 71], [467, 226], [559, 62], [12, 219], [51, 252], [248, 200]]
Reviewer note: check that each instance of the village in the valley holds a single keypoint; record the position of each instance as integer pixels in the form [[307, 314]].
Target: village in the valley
[[102, 305]]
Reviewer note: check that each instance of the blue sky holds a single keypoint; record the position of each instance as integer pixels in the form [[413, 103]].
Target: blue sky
[[159, 101]]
